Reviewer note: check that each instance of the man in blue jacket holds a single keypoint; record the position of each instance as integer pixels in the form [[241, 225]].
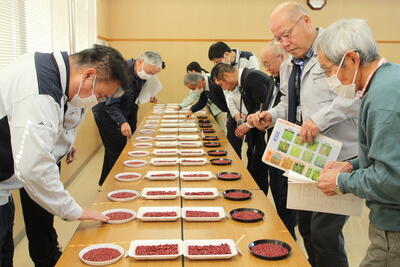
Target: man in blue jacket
[[116, 118]]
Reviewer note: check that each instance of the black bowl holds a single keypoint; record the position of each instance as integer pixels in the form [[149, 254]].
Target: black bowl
[[212, 144], [202, 117], [228, 179], [210, 138], [204, 121], [269, 241], [208, 130], [216, 161], [205, 125], [220, 154], [237, 190], [232, 212]]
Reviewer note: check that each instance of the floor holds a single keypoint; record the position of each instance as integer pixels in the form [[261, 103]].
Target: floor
[[84, 188]]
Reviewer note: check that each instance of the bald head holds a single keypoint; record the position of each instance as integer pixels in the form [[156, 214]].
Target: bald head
[[272, 56], [291, 11], [292, 28]]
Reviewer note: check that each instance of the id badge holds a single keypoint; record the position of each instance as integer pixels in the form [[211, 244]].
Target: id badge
[[298, 115]]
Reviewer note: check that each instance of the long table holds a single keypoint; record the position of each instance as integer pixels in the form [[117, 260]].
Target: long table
[[271, 227]]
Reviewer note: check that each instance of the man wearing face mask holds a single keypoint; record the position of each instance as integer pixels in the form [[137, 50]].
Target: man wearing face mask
[[211, 95], [220, 52], [309, 102], [194, 94], [43, 98], [116, 118], [358, 71]]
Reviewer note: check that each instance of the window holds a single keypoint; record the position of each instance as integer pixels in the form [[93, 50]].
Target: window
[[45, 26]]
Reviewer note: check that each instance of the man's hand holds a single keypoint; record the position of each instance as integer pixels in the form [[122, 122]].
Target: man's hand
[[189, 114], [340, 166], [93, 215], [308, 131], [260, 120], [177, 108], [126, 129], [241, 130], [71, 156], [153, 99], [327, 181], [240, 116]]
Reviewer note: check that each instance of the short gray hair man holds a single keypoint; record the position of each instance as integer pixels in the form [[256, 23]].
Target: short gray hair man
[[341, 33], [193, 78], [151, 58]]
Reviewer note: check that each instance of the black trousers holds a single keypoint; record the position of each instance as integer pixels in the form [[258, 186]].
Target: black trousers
[[278, 184], [323, 238], [112, 138], [6, 234], [257, 168], [44, 249], [235, 141]]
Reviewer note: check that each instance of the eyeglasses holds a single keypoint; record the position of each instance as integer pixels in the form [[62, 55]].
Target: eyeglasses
[[287, 34], [267, 65]]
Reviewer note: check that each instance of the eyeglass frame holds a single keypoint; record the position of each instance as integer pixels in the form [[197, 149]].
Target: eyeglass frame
[[270, 63], [287, 34], [328, 69]]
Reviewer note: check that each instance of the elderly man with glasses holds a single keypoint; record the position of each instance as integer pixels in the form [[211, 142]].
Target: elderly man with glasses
[[309, 102], [355, 70]]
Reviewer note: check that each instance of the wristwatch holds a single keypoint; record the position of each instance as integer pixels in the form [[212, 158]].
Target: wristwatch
[[337, 185]]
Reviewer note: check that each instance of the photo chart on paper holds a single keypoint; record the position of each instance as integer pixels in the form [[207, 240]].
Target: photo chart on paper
[[285, 150], [303, 164]]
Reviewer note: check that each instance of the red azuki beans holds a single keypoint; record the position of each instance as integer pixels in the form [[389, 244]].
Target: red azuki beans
[[237, 194], [210, 250], [192, 160], [155, 193], [158, 161], [199, 193], [196, 175], [128, 176], [123, 195], [196, 213], [101, 254], [221, 161], [119, 215], [135, 162], [246, 215], [270, 250], [229, 176], [160, 214], [167, 249], [188, 152], [219, 153], [162, 175], [212, 144], [138, 153]]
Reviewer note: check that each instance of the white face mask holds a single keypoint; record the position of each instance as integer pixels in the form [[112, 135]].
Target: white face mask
[[342, 90], [142, 74], [86, 102], [198, 91]]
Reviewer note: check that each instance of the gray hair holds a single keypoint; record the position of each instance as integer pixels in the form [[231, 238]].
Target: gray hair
[[193, 78], [151, 58], [348, 35], [275, 48]]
